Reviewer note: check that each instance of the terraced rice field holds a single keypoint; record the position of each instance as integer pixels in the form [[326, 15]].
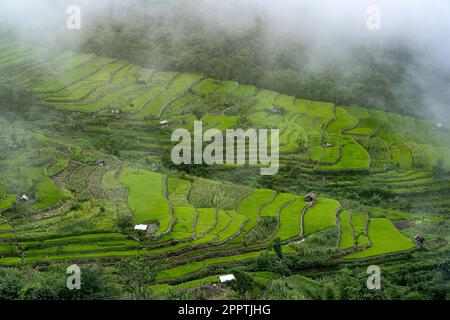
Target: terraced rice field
[[89, 83], [353, 230], [202, 224], [145, 196], [385, 239], [321, 216], [290, 220], [47, 194]]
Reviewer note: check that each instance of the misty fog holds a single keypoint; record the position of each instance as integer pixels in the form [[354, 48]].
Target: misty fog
[[328, 31]]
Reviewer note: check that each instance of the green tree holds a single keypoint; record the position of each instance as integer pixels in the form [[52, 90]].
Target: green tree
[[38, 292], [439, 168], [135, 274], [9, 288], [125, 221], [277, 247], [243, 284], [264, 262], [95, 285]]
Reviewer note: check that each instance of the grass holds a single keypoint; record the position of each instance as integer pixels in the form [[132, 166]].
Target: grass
[[146, 196], [5, 227], [263, 120], [160, 81], [47, 194], [245, 90], [249, 206], [206, 220], [236, 223], [285, 101], [193, 267], [402, 156], [213, 194], [86, 238], [184, 226], [7, 249], [365, 127], [180, 271], [393, 215], [93, 247], [271, 210], [223, 221], [409, 122], [219, 122], [178, 192], [227, 87], [6, 235], [290, 220], [57, 167], [7, 202], [343, 121], [347, 240], [109, 180], [358, 112], [205, 87], [76, 74], [83, 88], [323, 110], [291, 132], [164, 289], [321, 216], [358, 222], [265, 100], [353, 156], [331, 154], [10, 261], [385, 239], [379, 115], [118, 94], [177, 88], [91, 256]]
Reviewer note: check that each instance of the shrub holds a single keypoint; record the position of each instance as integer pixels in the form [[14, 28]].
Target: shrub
[[125, 221]]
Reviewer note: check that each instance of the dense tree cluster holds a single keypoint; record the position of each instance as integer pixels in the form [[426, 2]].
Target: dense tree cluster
[[29, 284], [166, 38]]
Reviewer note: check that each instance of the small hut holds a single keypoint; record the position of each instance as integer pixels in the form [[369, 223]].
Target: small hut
[[141, 227], [101, 163], [164, 124], [24, 198], [227, 278], [310, 197]]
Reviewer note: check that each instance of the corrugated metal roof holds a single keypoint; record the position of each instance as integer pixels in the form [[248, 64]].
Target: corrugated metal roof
[[226, 278]]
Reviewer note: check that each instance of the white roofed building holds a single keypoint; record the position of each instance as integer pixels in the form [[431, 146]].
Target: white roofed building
[[227, 278], [141, 227]]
